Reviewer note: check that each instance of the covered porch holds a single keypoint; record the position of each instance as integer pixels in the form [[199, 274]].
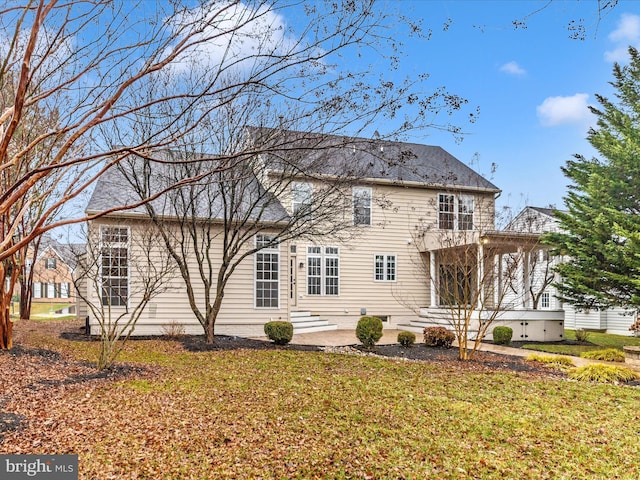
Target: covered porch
[[490, 278]]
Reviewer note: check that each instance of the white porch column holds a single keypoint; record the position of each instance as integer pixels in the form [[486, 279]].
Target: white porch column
[[526, 280], [432, 278], [498, 297], [480, 278]]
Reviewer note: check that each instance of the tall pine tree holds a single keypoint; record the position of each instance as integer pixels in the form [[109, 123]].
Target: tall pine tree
[[601, 228]]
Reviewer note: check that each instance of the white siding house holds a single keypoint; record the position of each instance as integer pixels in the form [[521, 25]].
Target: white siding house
[[613, 320]]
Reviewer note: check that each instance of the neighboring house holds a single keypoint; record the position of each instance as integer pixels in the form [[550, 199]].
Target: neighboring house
[[614, 320], [53, 272], [407, 198]]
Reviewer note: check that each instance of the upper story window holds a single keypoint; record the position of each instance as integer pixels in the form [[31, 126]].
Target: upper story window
[[361, 206], [301, 198], [50, 263], [455, 212], [114, 265]]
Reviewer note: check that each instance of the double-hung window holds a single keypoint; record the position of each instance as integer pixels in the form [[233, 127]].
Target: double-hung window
[[385, 268], [114, 265], [323, 270], [361, 205], [267, 272], [455, 212], [301, 198], [50, 263]]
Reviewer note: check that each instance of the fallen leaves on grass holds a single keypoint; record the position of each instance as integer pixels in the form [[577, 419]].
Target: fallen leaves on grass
[[281, 413]]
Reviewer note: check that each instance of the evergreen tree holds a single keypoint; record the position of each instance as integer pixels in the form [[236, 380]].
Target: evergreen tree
[[600, 231]]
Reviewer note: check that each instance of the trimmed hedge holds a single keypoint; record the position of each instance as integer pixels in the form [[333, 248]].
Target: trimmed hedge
[[406, 339], [280, 332], [502, 335], [369, 331]]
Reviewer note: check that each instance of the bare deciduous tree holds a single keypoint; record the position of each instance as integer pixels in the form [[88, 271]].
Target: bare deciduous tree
[[474, 271], [113, 252], [99, 67], [235, 209]]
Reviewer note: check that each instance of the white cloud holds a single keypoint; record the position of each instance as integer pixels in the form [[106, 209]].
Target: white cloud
[[561, 110], [627, 33], [628, 29], [236, 37], [513, 68]]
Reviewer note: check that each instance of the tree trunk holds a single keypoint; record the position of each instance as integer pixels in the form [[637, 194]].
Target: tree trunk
[[211, 320], [25, 301], [6, 328]]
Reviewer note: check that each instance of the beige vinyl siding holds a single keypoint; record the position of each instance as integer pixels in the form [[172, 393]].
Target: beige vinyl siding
[[238, 314], [399, 215]]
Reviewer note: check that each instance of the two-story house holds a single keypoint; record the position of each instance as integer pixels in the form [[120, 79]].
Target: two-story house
[[405, 208], [53, 272]]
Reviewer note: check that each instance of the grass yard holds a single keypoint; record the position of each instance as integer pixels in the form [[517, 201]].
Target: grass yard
[[43, 311], [598, 340], [289, 414]]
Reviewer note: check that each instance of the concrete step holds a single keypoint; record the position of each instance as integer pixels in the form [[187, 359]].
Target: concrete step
[[303, 320], [316, 323], [430, 322], [411, 328], [300, 314], [323, 328]]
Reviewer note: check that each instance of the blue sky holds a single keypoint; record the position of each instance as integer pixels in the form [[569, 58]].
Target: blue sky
[[532, 85]]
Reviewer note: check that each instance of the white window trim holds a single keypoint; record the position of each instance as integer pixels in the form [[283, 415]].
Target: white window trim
[[369, 190], [457, 198], [385, 272], [546, 295], [296, 186], [271, 249], [126, 245], [323, 255]]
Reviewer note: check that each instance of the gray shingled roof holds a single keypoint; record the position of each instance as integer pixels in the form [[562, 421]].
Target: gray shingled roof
[[66, 251], [546, 211], [308, 154], [373, 159], [115, 188]]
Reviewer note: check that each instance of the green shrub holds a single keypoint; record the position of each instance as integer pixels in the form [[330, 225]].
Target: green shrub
[[502, 335], [601, 373], [606, 355], [279, 332], [582, 335], [438, 337], [559, 362], [369, 331], [406, 339]]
